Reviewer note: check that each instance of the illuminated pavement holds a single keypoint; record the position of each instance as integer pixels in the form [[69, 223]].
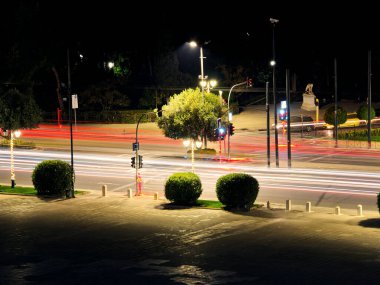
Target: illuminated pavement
[[116, 240]]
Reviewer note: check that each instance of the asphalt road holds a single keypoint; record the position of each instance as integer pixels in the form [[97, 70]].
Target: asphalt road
[[322, 187]]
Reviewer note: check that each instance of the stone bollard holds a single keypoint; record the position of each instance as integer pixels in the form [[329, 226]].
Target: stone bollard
[[129, 193], [337, 210], [360, 210], [155, 195], [288, 205], [308, 207], [268, 205], [104, 190]]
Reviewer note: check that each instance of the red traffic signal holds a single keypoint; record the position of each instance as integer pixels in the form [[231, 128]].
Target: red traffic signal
[[249, 82]]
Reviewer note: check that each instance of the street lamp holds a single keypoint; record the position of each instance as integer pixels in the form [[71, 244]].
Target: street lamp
[[208, 84], [14, 134], [198, 144], [110, 64], [230, 116], [202, 77], [273, 64]]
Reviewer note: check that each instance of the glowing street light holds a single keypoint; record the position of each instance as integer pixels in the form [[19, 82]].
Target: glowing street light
[[110, 64]]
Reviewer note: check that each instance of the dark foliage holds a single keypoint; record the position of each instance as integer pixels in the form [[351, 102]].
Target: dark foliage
[[183, 188], [237, 190], [52, 178]]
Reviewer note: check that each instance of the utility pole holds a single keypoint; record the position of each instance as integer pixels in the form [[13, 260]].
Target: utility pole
[[288, 118], [369, 99], [273, 63], [268, 121], [71, 192], [336, 103]]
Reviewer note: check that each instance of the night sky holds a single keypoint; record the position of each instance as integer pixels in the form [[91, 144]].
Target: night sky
[[308, 37]]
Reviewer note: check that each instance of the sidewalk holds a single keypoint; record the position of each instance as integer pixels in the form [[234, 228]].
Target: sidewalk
[[116, 240]]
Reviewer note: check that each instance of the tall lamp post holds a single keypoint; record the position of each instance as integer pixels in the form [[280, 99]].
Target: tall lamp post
[[202, 77], [230, 117], [273, 64], [71, 192]]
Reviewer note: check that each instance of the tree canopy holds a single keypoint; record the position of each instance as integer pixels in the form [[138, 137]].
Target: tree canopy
[[341, 115], [18, 111], [363, 112], [188, 115]]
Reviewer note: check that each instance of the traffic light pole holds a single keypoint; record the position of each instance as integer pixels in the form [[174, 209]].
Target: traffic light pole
[[228, 111], [137, 160]]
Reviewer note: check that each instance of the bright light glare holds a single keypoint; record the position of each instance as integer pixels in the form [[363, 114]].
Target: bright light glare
[[198, 144], [110, 64], [193, 44], [17, 133], [186, 143], [272, 63], [203, 83], [213, 83]]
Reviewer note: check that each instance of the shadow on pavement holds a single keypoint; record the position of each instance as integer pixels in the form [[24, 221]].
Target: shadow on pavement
[[370, 223]]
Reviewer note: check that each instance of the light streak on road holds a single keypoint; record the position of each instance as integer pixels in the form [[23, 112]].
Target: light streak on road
[[93, 170]]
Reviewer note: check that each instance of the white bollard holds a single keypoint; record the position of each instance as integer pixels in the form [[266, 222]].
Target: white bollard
[[308, 207], [288, 205], [268, 205], [104, 190], [360, 210], [337, 210], [155, 195], [129, 193]]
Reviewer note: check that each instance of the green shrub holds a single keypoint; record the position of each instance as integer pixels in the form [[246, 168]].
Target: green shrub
[[363, 112], [183, 188], [378, 201], [330, 116], [52, 178], [237, 190]]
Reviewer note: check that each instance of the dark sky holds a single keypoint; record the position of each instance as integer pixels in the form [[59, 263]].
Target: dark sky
[[239, 31]]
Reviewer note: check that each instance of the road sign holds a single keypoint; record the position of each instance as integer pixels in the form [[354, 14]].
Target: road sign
[[74, 101], [135, 146]]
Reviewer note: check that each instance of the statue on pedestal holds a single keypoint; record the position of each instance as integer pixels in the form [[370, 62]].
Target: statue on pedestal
[[308, 103]]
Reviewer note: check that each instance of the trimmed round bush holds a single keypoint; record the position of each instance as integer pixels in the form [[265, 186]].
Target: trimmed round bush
[[183, 188], [341, 115], [52, 178], [237, 190], [363, 112]]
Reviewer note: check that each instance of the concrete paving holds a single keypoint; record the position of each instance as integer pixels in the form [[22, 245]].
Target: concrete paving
[[117, 240]]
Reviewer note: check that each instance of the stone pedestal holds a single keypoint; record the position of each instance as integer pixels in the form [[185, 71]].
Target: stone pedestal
[[308, 103]]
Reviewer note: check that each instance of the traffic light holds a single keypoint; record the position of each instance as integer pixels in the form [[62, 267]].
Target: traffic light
[[221, 132], [133, 162], [232, 129], [216, 133], [249, 82], [140, 161]]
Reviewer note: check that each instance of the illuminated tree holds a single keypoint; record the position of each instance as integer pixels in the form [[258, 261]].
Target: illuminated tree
[[188, 115]]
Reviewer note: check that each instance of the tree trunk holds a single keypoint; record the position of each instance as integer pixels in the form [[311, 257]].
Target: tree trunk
[[60, 101]]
